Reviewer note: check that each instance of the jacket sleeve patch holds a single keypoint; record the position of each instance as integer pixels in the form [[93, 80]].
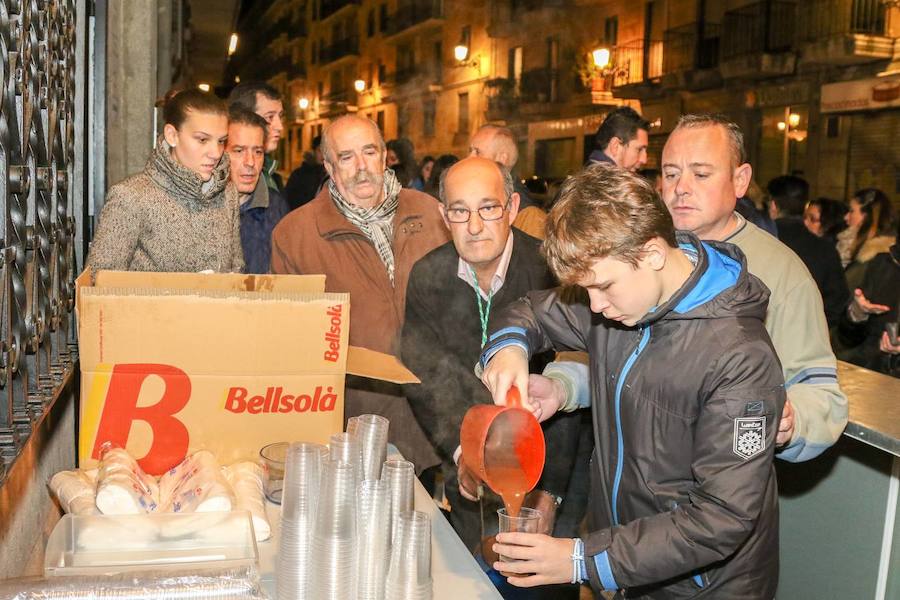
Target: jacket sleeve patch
[[749, 436]]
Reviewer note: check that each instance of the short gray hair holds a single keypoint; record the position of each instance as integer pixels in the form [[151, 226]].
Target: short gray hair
[[508, 185], [732, 129], [324, 146], [504, 139]]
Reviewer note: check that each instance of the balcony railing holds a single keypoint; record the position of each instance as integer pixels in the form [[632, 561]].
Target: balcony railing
[[637, 61], [686, 50], [329, 7], [827, 18], [340, 49], [413, 13], [759, 27], [334, 100]]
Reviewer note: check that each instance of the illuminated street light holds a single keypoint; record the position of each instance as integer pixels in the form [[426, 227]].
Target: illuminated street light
[[782, 125], [232, 44], [601, 57], [460, 53], [359, 85], [304, 103], [794, 119], [204, 87]]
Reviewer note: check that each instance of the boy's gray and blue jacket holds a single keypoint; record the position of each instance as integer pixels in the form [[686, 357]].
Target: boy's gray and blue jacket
[[684, 504]]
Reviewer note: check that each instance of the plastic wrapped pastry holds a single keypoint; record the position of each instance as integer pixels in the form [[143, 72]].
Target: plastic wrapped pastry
[[122, 486], [75, 491], [196, 485]]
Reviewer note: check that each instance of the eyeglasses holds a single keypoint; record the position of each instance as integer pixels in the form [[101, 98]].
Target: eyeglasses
[[493, 212]]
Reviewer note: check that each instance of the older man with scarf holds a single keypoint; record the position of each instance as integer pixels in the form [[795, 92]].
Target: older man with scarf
[[365, 232]]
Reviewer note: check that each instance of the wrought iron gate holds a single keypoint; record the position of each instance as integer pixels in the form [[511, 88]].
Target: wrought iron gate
[[37, 204]]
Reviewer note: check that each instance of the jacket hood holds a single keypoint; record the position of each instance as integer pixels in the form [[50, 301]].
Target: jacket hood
[[182, 183], [719, 286], [874, 246]]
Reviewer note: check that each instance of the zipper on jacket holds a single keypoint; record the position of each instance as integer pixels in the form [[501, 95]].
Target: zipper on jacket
[[620, 445]]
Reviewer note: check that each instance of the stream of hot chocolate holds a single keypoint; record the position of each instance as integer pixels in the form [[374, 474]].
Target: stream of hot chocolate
[[511, 484]]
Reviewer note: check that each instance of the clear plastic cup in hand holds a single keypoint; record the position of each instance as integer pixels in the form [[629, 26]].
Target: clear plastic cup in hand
[[400, 475], [527, 521]]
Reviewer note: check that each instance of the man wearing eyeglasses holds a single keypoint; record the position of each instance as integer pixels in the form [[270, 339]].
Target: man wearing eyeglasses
[[452, 293]]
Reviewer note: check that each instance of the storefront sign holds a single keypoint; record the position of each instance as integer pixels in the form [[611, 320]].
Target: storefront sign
[[864, 94], [782, 95]]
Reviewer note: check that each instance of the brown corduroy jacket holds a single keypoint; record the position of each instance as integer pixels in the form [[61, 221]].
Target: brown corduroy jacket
[[317, 238]]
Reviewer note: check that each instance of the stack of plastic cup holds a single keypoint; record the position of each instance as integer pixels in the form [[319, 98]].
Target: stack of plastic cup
[[409, 574], [345, 447], [333, 568], [373, 550], [372, 432], [400, 475], [302, 474], [352, 424]]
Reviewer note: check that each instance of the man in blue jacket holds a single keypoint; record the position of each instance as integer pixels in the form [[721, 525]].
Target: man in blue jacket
[[261, 206], [686, 396]]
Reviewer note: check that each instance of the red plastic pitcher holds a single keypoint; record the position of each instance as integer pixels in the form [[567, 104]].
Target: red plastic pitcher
[[504, 447]]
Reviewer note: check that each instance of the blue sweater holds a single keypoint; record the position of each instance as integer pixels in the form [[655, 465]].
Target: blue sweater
[[259, 216]]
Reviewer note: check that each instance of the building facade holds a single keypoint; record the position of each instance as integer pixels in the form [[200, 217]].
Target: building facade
[[792, 73]]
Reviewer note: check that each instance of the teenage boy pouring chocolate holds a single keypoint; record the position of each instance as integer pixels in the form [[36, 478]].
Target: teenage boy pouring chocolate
[[686, 393]]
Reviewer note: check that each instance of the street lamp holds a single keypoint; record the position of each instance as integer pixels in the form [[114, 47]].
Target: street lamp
[[460, 53], [232, 44], [601, 56], [603, 73], [790, 127], [359, 85], [303, 103]]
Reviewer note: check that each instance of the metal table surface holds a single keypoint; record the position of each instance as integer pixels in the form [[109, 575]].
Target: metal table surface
[[874, 407]]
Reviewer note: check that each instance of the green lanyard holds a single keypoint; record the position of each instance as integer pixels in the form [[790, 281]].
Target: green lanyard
[[484, 310]]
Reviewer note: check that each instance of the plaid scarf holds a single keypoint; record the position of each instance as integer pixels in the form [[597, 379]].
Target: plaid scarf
[[376, 223]]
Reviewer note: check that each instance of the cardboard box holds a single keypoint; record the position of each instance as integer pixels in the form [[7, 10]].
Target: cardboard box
[[176, 362]]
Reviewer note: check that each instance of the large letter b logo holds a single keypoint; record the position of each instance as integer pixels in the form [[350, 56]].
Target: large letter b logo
[[170, 436]]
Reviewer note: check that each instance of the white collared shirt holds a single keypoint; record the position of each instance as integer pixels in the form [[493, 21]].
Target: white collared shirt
[[464, 273]]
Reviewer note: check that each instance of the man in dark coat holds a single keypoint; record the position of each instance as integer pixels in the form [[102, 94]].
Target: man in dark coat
[[622, 140], [789, 195], [451, 295], [306, 180]]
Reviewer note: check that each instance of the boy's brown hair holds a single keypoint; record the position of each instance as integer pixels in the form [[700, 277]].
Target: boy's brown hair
[[603, 211]]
